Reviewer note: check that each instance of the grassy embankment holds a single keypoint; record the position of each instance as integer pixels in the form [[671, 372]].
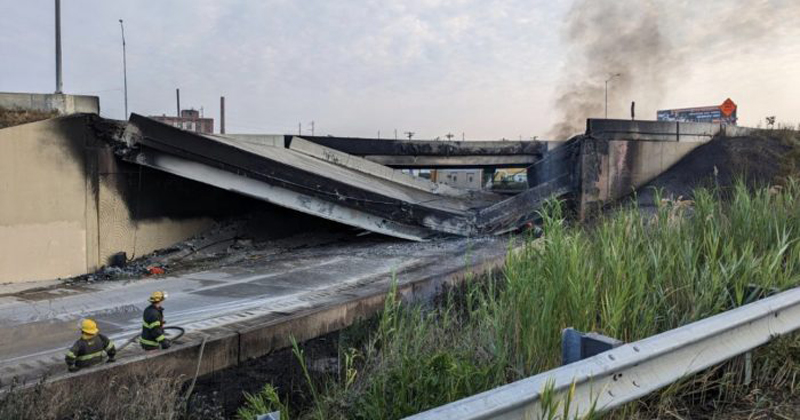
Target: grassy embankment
[[630, 276]]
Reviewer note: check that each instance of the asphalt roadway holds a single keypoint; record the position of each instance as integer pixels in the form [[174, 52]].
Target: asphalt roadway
[[38, 326]]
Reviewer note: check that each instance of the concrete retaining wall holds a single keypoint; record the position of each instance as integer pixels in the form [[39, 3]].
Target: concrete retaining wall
[[68, 204], [47, 102], [613, 169], [619, 156]]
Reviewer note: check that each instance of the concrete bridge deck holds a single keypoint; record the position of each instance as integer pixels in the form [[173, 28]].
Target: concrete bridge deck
[[438, 154]]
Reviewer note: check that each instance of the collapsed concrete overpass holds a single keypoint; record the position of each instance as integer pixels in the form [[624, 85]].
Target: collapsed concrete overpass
[[81, 188], [333, 184]]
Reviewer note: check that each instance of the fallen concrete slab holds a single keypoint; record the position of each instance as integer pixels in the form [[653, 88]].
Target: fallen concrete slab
[[327, 183], [302, 182]]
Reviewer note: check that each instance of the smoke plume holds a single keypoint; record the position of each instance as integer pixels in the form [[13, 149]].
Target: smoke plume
[[651, 44]]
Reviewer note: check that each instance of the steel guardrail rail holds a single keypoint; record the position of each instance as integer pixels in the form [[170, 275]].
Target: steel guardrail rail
[[633, 370]]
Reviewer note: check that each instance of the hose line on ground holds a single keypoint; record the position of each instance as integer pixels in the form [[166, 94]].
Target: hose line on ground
[[196, 373], [180, 330]]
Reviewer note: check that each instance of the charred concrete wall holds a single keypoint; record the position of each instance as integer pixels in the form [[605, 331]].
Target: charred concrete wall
[[68, 204], [43, 210], [613, 169], [619, 156]]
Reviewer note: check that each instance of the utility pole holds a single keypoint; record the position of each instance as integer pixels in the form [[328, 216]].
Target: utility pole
[[379, 134], [222, 115], [449, 136], [299, 129], [124, 67], [409, 134], [312, 128], [178, 97], [395, 134], [59, 82], [608, 80]]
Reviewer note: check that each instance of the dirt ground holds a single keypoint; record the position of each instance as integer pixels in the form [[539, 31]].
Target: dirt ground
[[224, 390]]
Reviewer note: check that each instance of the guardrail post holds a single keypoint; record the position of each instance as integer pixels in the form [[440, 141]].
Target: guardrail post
[[752, 293], [576, 346]]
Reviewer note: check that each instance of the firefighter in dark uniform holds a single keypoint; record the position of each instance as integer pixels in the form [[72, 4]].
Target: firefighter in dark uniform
[[89, 349], [153, 324]]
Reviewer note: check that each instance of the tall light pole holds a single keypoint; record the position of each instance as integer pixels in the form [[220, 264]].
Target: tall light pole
[[59, 84], [608, 80], [124, 67]]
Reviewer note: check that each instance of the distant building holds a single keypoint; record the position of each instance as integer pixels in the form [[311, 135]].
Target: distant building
[[468, 179], [719, 114], [189, 120], [509, 175]]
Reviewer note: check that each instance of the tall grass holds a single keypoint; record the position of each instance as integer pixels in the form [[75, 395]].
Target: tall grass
[[134, 396], [630, 275]]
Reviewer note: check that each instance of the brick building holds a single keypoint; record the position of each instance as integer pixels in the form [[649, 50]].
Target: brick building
[[189, 120]]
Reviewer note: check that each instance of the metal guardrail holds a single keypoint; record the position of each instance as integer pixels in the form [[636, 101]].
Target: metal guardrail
[[633, 370]]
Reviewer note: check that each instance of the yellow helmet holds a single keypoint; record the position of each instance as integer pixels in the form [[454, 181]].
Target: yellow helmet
[[157, 296], [89, 327]]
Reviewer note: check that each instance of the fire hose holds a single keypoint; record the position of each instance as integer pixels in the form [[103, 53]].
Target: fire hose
[[180, 334]]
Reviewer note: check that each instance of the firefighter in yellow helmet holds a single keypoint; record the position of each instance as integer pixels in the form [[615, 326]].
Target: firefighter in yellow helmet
[[89, 349], [153, 324]]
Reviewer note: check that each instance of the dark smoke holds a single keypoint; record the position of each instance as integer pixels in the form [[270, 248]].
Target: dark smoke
[[652, 44]]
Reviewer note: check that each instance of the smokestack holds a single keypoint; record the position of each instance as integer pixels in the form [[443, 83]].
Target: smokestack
[[178, 96], [222, 115]]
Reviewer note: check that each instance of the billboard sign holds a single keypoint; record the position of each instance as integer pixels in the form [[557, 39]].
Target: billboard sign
[[721, 114]]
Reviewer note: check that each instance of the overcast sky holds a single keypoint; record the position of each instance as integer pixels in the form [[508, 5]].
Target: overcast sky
[[487, 68]]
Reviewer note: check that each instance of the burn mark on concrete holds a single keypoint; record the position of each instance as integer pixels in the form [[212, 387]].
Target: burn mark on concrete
[[593, 154]]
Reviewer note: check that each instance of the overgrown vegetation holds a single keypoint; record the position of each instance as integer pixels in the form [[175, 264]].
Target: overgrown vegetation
[[12, 117], [145, 396], [630, 276]]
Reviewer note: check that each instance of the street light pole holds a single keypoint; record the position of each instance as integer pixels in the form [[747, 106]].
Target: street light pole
[[59, 84], [608, 80], [124, 67]]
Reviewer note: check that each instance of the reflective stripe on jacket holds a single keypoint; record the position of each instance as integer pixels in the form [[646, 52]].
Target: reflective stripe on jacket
[[88, 351], [152, 327]]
